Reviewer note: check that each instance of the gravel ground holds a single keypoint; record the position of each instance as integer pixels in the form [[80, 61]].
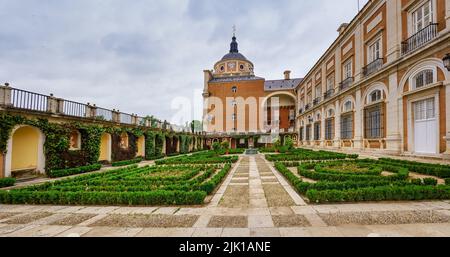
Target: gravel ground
[[235, 197], [147, 221], [290, 221], [384, 218], [27, 218], [228, 222], [5, 215], [277, 197], [73, 219], [269, 180]]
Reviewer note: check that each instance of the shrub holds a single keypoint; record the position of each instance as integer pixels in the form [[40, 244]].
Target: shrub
[[438, 170], [216, 146], [447, 181], [289, 143], [416, 181], [7, 182], [225, 145], [73, 171], [393, 193], [430, 181], [127, 162]]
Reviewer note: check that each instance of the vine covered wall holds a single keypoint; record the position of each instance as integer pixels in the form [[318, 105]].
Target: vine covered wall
[[58, 154]]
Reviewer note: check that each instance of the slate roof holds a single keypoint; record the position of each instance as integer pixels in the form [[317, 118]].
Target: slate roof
[[282, 84]]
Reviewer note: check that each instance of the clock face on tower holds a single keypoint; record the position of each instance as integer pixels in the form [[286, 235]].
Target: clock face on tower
[[231, 65]]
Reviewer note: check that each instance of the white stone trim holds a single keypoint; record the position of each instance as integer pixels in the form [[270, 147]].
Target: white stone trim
[[410, 122], [41, 155], [374, 22]]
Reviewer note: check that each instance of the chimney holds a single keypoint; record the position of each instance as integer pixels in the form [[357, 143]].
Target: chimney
[[342, 28], [287, 74]]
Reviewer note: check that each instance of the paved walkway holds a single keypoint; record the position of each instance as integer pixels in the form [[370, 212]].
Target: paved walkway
[[254, 200]]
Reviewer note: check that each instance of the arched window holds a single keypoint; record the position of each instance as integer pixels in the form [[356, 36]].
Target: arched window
[[318, 117], [374, 96], [234, 89], [124, 140], [348, 106], [75, 140], [423, 78], [330, 113]]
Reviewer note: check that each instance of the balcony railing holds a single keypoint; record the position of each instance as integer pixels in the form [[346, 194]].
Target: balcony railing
[[26, 100], [104, 114], [328, 94], [346, 83], [74, 109], [373, 67], [420, 39], [317, 100]]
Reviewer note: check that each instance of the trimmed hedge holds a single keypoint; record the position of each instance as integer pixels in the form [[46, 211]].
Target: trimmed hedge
[[73, 171], [7, 182], [127, 162], [391, 193], [438, 170], [103, 198], [210, 185], [305, 155]]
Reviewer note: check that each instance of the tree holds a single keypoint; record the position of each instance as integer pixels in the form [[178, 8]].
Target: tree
[[196, 126]]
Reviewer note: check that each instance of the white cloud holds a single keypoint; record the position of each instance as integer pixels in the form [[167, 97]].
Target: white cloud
[[138, 55]]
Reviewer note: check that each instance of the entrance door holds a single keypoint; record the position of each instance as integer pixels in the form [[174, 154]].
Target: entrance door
[[425, 127]]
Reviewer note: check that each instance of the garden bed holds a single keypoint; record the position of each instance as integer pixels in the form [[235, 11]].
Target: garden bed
[[362, 180], [148, 185]]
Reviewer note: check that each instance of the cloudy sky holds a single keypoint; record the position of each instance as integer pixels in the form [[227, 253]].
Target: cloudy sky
[[137, 56]]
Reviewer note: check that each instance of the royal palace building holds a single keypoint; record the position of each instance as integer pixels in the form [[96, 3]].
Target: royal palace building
[[383, 86], [244, 109]]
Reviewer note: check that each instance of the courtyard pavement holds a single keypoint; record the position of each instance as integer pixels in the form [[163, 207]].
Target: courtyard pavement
[[254, 201]]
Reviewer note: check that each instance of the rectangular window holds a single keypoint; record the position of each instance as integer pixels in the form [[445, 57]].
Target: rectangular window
[[374, 51], [318, 91], [374, 122], [329, 129], [308, 132], [422, 17], [301, 134], [317, 131], [348, 69], [424, 110], [330, 82], [347, 126]]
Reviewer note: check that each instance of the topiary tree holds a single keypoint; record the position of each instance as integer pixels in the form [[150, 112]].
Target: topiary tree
[[216, 146], [289, 143]]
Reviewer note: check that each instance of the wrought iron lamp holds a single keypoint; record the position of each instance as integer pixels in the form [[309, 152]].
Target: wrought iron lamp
[[446, 61]]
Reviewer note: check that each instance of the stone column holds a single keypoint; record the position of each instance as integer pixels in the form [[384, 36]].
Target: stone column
[[337, 125], [447, 16], [322, 127], [447, 112], [5, 96], [358, 121], [60, 106], [52, 104], [393, 137], [116, 116], [91, 111], [393, 30], [359, 53]]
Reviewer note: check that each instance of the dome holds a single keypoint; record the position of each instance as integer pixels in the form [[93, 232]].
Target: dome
[[233, 63], [234, 56]]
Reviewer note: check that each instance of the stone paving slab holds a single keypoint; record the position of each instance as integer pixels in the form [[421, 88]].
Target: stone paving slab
[[74, 232], [112, 232], [258, 216]]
